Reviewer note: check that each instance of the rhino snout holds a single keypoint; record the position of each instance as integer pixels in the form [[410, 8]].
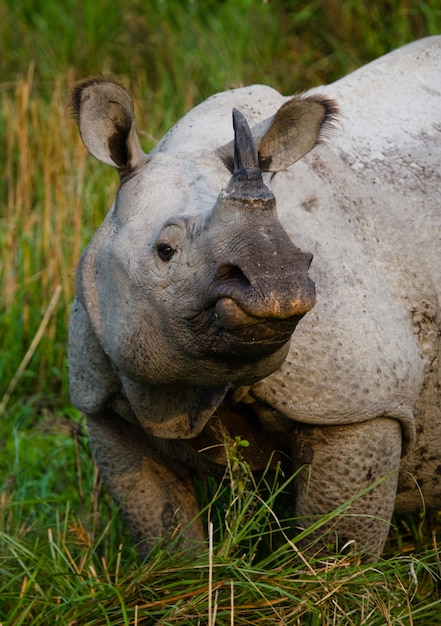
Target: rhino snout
[[246, 297], [252, 314]]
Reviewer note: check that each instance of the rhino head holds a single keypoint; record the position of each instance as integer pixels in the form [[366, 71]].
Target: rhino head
[[191, 286]]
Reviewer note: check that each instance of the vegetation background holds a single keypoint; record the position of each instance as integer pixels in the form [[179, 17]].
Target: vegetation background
[[64, 556]]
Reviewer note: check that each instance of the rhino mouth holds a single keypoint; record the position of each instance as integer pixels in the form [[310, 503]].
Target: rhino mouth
[[251, 333], [233, 330]]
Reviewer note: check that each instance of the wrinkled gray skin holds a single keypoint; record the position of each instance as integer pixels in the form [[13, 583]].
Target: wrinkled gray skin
[[188, 294]]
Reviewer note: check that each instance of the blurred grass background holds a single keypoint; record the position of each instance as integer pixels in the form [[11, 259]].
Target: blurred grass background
[[171, 54]]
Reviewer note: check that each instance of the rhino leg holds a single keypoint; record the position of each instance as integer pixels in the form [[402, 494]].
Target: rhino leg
[[157, 497], [342, 461]]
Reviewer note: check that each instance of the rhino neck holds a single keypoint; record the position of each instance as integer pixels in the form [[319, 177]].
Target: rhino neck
[[173, 411]]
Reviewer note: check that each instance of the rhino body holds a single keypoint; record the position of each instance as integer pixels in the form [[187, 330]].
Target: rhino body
[[188, 294]]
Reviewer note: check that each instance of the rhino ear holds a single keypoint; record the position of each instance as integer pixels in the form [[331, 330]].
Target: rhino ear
[[294, 130], [106, 119]]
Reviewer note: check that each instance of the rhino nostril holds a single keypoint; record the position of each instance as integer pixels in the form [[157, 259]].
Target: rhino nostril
[[232, 272]]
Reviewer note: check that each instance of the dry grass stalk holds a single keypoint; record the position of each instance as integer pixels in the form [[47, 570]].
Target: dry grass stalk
[[42, 226], [34, 344]]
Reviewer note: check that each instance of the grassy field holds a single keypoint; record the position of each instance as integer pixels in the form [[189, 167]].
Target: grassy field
[[65, 556]]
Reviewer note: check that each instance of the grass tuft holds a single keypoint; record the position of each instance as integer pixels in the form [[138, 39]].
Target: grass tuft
[[66, 557]]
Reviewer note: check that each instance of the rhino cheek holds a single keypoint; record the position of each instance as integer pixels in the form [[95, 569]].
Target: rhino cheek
[[142, 352]]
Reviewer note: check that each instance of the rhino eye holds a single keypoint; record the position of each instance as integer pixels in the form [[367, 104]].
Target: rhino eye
[[165, 252]]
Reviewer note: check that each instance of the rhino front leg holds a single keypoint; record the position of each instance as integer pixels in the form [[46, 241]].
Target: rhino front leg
[[157, 496], [342, 461]]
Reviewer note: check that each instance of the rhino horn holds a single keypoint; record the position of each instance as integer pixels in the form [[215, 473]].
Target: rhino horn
[[245, 153], [246, 186]]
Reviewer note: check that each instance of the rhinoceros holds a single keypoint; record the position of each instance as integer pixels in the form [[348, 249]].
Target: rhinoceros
[[257, 215]]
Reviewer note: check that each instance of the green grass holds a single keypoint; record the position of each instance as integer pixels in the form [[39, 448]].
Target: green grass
[[65, 555]]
